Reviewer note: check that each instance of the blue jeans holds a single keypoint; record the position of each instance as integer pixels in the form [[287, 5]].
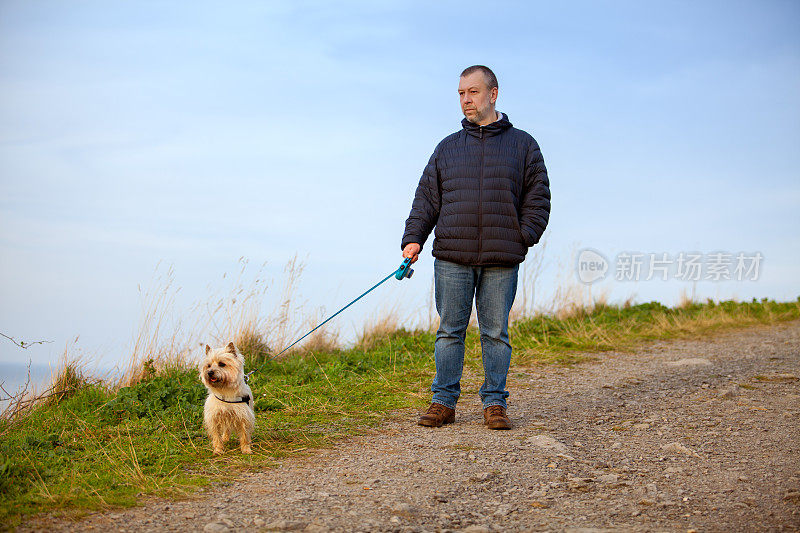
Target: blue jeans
[[493, 288]]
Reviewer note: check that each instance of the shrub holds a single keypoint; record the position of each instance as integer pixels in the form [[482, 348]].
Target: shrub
[[180, 391]]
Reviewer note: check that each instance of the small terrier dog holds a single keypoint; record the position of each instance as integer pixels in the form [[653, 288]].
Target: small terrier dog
[[229, 406]]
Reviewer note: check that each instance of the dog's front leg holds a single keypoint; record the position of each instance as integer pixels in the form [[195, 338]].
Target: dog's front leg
[[217, 442], [244, 436]]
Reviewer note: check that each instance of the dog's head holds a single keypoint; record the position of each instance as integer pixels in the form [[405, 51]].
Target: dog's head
[[222, 367]]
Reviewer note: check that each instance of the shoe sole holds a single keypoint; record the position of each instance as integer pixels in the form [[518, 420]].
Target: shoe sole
[[432, 424], [497, 425]]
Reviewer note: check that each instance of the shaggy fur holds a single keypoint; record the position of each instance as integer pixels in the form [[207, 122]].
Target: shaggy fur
[[222, 372]]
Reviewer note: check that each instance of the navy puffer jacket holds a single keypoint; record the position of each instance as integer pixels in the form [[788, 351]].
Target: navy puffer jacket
[[486, 190]]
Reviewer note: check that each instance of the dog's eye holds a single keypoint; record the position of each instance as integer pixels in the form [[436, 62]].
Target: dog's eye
[[208, 365], [222, 365]]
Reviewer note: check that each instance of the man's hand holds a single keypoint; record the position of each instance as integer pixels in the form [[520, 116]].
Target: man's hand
[[412, 250]]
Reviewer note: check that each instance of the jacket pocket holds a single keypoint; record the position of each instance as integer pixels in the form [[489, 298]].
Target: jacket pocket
[[520, 233], [524, 238]]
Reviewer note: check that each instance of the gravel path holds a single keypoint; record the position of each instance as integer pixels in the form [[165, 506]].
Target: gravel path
[[701, 434]]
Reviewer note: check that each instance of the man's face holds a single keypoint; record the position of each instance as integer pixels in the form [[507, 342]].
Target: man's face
[[477, 100]]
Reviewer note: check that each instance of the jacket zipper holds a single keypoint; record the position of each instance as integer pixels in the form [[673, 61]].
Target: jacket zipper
[[480, 198]]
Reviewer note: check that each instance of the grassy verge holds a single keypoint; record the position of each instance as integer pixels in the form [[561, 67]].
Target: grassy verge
[[93, 447]]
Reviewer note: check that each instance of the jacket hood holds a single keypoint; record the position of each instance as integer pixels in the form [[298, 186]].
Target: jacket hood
[[495, 128]]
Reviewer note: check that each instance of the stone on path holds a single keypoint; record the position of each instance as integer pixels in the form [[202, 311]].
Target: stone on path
[[216, 527], [285, 525], [476, 529], [588, 530], [780, 378], [547, 443], [691, 361], [404, 509], [677, 447]]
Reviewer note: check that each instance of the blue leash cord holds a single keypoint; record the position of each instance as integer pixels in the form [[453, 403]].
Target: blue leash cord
[[404, 271]]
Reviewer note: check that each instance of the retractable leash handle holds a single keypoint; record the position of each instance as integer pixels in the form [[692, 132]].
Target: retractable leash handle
[[405, 270]]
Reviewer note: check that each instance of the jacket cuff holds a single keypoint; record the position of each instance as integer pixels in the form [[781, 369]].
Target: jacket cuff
[[411, 238]]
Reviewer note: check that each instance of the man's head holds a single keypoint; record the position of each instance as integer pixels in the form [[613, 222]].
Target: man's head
[[477, 90]]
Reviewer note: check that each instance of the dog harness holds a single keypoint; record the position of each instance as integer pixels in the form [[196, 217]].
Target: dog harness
[[243, 399]]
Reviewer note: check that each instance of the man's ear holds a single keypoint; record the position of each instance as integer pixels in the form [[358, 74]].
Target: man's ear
[[208, 349], [493, 95], [231, 348]]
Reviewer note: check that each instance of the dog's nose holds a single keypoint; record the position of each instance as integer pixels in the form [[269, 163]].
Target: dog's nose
[[210, 373]]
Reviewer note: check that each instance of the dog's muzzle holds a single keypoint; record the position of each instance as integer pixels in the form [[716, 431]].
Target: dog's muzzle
[[212, 377]]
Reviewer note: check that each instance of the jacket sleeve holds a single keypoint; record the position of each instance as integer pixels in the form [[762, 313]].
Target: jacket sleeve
[[426, 205], [535, 204]]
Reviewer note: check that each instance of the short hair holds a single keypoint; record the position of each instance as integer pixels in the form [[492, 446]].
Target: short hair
[[491, 79]]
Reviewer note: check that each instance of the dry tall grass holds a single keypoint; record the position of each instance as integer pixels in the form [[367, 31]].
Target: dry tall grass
[[162, 341], [236, 316], [283, 327], [67, 377], [531, 270], [385, 321], [571, 297], [324, 339], [159, 342], [684, 299], [17, 400]]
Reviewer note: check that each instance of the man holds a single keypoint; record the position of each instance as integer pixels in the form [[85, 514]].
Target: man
[[486, 191]]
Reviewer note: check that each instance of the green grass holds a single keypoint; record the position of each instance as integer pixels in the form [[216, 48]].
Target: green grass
[[93, 447]]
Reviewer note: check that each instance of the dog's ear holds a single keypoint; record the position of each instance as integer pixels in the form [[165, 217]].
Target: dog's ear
[[231, 348], [208, 349]]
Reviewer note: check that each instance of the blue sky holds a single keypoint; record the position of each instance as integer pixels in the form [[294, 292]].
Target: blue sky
[[139, 135]]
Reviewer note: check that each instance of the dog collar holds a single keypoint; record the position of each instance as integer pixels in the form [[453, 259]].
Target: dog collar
[[243, 399]]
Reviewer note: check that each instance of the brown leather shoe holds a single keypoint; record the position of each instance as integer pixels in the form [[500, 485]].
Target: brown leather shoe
[[436, 415], [495, 417]]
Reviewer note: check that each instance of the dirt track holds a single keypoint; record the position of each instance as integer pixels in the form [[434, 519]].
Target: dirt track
[[682, 435]]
